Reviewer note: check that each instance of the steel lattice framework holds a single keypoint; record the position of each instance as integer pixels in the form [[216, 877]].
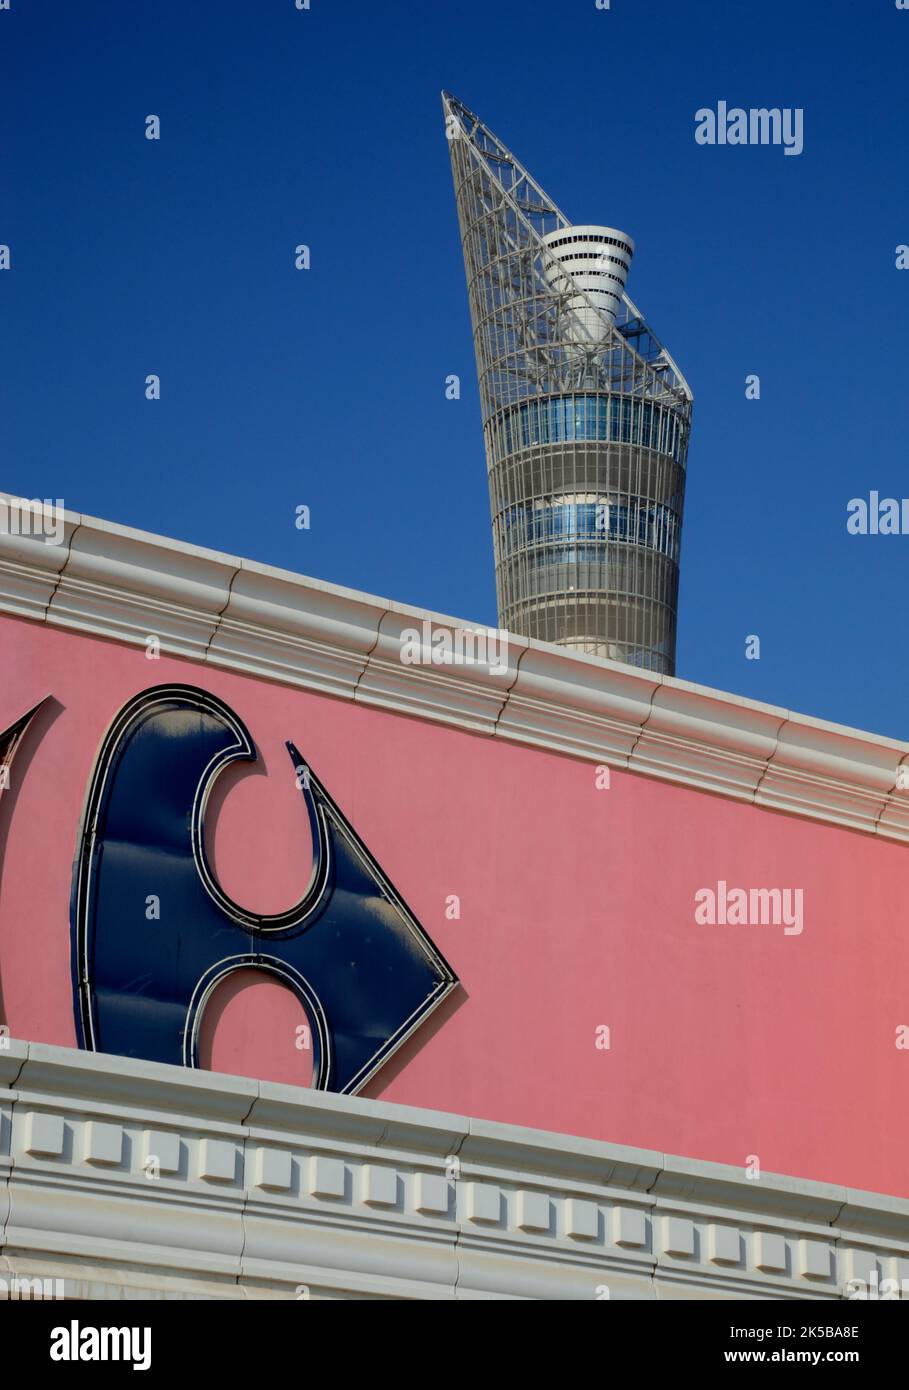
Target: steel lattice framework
[[586, 434]]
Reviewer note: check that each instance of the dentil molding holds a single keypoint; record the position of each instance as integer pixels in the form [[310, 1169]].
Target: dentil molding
[[128, 1179]]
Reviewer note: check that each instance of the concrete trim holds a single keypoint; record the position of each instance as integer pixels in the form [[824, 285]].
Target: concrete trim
[[265, 1191], [113, 582]]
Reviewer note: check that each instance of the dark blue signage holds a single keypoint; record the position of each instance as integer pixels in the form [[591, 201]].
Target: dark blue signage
[[11, 738], [352, 951]]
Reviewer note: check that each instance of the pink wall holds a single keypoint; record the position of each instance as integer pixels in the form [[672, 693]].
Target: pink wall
[[577, 910]]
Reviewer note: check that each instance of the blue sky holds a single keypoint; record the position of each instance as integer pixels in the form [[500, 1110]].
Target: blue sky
[[326, 387]]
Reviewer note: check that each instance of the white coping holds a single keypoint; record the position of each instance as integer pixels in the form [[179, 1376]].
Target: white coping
[[114, 582], [129, 1179]]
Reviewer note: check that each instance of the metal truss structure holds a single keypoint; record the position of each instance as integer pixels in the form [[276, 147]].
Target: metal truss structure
[[586, 417]]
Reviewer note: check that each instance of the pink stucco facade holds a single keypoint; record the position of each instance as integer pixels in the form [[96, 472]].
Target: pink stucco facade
[[577, 912]]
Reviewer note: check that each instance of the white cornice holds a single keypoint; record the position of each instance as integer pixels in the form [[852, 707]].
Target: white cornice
[[114, 582], [128, 1178]]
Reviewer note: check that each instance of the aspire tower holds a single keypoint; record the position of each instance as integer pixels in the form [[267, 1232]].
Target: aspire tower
[[586, 417]]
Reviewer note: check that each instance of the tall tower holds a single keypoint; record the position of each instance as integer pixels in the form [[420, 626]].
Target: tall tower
[[585, 416]]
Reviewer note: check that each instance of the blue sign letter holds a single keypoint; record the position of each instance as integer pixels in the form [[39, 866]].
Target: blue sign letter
[[362, 966]]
